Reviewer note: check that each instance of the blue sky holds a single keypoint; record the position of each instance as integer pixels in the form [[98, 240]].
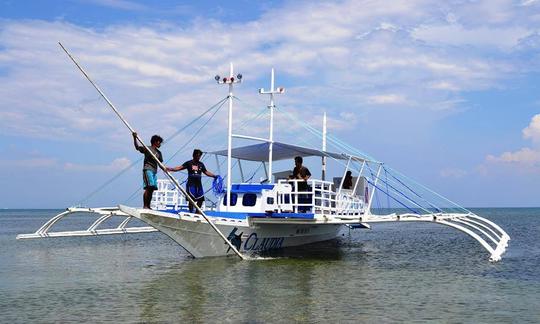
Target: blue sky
[[447, 92]]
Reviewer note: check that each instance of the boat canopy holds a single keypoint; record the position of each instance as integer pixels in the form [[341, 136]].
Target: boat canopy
[[281, 151]]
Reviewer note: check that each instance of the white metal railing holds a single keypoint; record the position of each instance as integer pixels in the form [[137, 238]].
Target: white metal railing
[[321, 198], [167, 196]]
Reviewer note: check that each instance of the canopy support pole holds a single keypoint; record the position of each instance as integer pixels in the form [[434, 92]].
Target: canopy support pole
[[265, 171], [241, 171], [373, 192], [359, 175], [218, 165], [344, 174]]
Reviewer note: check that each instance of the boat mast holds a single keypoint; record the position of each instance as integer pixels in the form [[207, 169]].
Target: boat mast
[[229, 140], [230, 81], [323, 176], [271, 107]]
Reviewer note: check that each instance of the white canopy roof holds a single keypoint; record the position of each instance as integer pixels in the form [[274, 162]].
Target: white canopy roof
[[281, 151]]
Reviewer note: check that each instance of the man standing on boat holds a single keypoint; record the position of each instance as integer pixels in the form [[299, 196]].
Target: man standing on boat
[[347, 182], [195, 169], [149, 166], [300, 172]]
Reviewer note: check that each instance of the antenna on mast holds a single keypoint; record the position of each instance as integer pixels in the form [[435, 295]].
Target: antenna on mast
[[271, 106], [230, 80]]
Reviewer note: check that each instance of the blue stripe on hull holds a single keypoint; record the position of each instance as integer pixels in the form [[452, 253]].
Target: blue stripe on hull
[[250, 187], [239, 215]]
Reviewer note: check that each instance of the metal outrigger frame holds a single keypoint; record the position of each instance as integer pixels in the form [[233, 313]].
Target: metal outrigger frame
[[490, 235], [105, 214]]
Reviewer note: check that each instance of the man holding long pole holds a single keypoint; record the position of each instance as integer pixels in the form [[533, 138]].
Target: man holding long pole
[[159, 163], [149, 167]]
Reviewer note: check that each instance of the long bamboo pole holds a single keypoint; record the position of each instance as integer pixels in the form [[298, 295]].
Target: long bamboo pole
[[161, 166]]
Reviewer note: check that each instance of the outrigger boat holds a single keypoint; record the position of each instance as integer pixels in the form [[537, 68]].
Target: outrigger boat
[[276, 213]]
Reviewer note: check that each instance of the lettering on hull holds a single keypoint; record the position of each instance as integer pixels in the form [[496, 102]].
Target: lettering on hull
[[253, 243]]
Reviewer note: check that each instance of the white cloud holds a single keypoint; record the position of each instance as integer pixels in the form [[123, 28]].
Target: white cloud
[[115, 165], [387, 99], [119, 4], [357, 54], [457, 35], [525, 156], [444, 85], [529, 158], [142, 68], [533, 130], [31, 163], [529, 2]]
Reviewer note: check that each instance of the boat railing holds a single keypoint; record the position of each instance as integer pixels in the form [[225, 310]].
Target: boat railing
[[167, 196], [320, 197]]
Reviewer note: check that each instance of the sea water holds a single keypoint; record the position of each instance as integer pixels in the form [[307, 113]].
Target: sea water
[[395, 272]]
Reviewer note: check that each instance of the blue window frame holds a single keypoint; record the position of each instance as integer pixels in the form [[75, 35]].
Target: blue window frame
[[249, 199]]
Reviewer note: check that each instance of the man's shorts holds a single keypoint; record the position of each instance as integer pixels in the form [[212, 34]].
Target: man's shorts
[[149, 179], [196, 192]]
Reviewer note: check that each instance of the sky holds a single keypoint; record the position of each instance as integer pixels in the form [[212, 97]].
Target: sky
[[445, 92]]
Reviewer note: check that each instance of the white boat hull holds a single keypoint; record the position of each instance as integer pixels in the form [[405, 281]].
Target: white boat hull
[[195, 235]]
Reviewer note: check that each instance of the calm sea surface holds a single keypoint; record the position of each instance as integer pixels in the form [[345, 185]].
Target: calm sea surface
[[392, 273]]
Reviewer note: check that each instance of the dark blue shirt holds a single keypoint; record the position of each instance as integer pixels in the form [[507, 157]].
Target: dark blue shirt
[[195, 171]]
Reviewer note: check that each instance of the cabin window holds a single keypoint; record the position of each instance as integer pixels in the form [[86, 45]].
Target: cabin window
[[270, 200], [234, 198], [287, 199], [249, 199]]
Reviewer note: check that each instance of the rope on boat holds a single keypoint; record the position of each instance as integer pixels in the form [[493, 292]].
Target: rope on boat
[[121, 172], [393, 171], [399, 202], [220, 103], [341, 144], [197, 132], [399, 192], [217, 186], [414, 192], [254, 173]]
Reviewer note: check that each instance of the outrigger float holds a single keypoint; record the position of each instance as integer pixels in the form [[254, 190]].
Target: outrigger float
[[277, 212]]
